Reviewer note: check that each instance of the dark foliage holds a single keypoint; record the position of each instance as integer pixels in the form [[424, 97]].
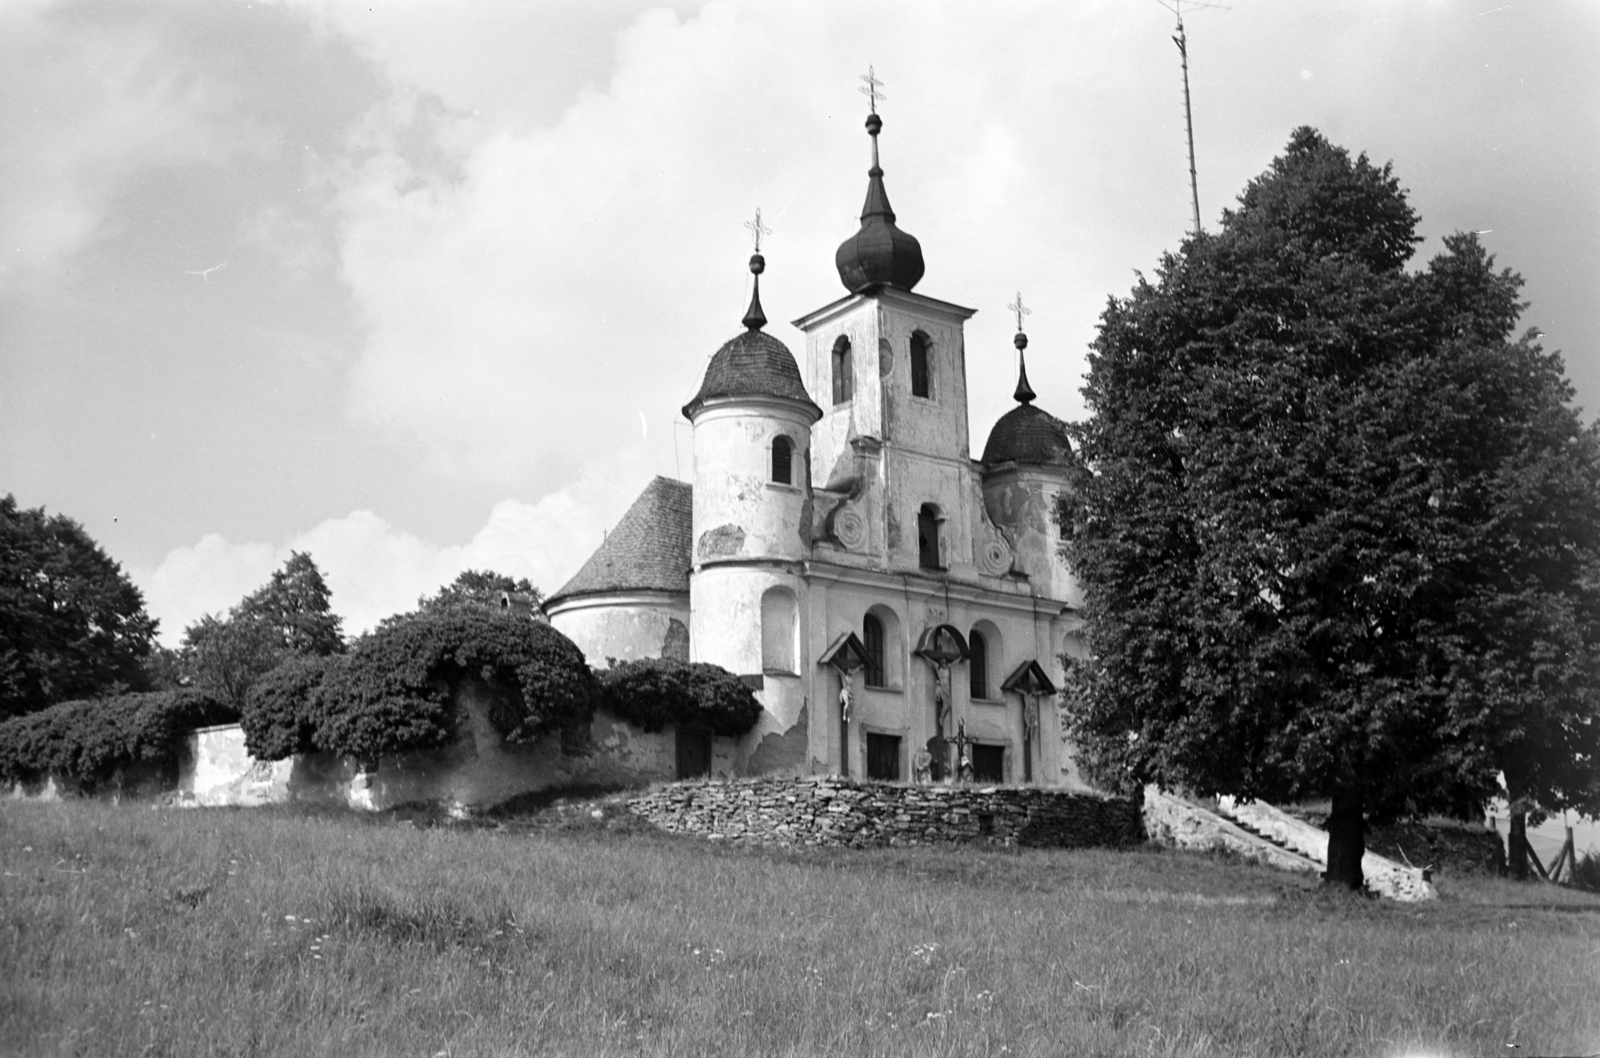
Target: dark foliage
[[295, 605], [86, 742], [1339, 534], [474, 587], [397, 691], [289, 616], [654, 692], [283, 706], [71, 623]]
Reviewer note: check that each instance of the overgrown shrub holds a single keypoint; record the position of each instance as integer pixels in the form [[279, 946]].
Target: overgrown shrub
[[282, 709], [86, 742], [396, 693], [654, 692]]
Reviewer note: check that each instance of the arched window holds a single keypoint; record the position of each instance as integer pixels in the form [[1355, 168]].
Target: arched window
[[978, 664], [843, 372], [872, 639], [928, 537], [921, 380], [778, 606], [782, 457]]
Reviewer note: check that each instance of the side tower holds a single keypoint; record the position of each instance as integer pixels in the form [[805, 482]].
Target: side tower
[[1027, 463], [752, 423]]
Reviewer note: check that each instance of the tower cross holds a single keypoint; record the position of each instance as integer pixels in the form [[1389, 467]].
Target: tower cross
[[1020, 309], [757, 229], [872, 89]]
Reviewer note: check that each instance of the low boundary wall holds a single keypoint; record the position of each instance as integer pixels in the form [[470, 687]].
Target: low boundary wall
[[857, 814]]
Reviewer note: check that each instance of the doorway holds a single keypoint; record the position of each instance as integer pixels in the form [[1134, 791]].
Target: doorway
[[694, 753]]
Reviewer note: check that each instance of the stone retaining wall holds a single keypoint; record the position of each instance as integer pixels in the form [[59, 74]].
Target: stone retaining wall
[[846, 812]]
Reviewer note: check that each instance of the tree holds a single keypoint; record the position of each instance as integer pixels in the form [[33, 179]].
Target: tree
[[474, 587], [295, 605], [71, 623], [1337, 532], [226, 655], [289, 616]]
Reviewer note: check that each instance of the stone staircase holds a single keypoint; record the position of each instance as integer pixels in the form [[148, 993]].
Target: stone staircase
[[1258, 831]]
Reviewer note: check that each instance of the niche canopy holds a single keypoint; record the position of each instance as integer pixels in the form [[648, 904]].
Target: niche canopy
[[942, 645], [879, 254], [846, 653]]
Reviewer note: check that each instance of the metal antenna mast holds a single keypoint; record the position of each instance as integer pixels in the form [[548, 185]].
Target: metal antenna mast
[[1182, 41]]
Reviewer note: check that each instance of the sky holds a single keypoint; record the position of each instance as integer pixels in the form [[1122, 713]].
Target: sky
[[421, 286]]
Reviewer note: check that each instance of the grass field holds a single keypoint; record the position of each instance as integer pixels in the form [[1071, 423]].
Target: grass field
[[140, 931]]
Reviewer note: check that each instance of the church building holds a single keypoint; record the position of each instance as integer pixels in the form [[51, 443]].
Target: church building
[[900, 607]]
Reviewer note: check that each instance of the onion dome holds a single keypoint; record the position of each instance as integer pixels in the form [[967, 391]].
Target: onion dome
[[1026, 434], [754, 364], [880, 254]]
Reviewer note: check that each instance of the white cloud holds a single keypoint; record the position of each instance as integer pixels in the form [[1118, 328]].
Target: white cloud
[[103, 102], [374, 569]]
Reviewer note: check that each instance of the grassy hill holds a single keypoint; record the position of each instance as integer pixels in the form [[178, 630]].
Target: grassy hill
[[133, 931]]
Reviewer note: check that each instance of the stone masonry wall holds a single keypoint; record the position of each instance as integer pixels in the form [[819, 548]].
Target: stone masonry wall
[[846, 812]]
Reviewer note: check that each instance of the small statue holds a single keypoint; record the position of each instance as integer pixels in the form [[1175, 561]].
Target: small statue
[[1030, 717], [941, 697], [922, 766], [963, 752], [846, 694]]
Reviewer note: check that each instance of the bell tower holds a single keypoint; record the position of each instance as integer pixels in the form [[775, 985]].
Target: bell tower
[[888, 366]]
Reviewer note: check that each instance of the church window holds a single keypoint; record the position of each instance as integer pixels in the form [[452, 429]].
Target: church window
[[978, 664], [921, 382], [872, 639], [928, 537], [782, 457], [843, 372]]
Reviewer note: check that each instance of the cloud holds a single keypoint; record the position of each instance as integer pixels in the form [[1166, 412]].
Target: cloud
[[88, 103], [375, 570]]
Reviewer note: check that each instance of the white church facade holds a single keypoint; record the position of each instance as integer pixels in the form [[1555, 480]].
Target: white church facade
[[901, 608]]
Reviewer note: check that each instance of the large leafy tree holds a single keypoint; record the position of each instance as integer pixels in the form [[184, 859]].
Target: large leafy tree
[[287, 617], [1337, 530], [71, 623], [474, 587]]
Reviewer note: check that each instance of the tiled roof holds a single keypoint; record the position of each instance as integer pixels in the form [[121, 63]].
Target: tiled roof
[[650, 548], [1026, 434], [755, 364]]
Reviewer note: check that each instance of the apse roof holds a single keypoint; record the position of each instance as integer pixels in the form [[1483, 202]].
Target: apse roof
[[650, 549]]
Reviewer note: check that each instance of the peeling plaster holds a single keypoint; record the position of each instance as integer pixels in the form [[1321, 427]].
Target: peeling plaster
[[676, 643], [775, 752], [722, 541]]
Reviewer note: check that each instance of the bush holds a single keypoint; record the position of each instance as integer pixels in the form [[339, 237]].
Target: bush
[[654, 692], [281, 711], [87, 742], [396, 693]]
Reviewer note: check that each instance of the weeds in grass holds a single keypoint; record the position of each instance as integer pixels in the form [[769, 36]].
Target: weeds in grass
[[127, 931]]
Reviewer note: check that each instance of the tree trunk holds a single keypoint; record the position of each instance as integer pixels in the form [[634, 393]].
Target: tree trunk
[[1347, 839], [1517, 845]]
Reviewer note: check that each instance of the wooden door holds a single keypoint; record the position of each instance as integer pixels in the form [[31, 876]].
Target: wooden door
[[988, 763], [694, 753], [883, 757]]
